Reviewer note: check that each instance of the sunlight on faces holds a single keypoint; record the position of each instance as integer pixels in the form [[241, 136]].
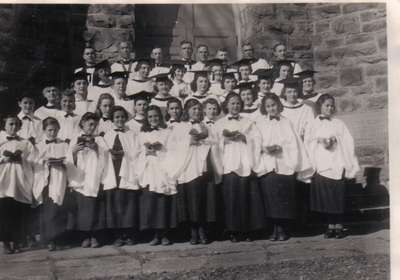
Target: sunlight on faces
[[223, 55], [52, 94], [157, 55], [119, 86], [308, 84], [290, 95], [27, 105], [119, 119], [265, 86], [202, 84], [244, 71], [153, 118], [248, 51], [124, 50], [11, 126], [234, 105], [89, 126], [144, 71], [211, 111], [80, 87], [105, 107], [202, 54], [195, 112], [247, 97], [174, 110], [271, 107], [186, 51], [328, 107], [68, 103], [51, 131], [141, 107], [284, 72], [89, 55], [280, 52]]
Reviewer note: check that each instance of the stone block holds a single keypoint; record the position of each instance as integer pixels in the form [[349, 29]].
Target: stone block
[[381, 84], [373, 15], [376, 69], [351, 77], [382, 42], [334, 43], [298, 44], [359, 38], [322, 55], [126, 21], [348, 105], [262, 10], [344, 25], [360, 90], [356, 50], [377, 102], [337, 92], [280, 27], [370, 155], [295, 13], [303, 28], [325, 11], [101, 20], [327, 81], [356, 7], [321, 27], [372, 59], [374, 26]]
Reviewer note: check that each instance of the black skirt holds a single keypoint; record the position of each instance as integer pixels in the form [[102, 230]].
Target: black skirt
[[122, 208], [13, 219], [90, 212], [157, 211], [243, 209], [279, 195], [53, 220], [327, 195]]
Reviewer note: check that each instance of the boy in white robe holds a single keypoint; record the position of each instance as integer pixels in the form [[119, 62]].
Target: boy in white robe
[[52, 107], [31, 125]]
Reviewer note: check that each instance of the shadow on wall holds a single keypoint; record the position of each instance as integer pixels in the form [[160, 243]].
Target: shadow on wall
[[45, 43]]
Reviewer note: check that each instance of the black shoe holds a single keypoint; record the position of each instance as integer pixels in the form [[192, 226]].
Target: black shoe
[[203, 236], [249, 239], [94, 243], [130, 241], [194, 236], [7, 248], [165, 241], [156, 241], [118, 242], [339, 234], [233, 238], [330, 233], [51, 247], [274, 235]]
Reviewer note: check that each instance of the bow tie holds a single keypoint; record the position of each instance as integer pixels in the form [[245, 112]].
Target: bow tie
[[153, 128], [51, 141], [324, 118], [173, 121], [119, 130], [10, 138], [234, 118], [68, 115], [208, 122], [26, 118], [105, 119], [194, 122], [50, 107], [274, 118]]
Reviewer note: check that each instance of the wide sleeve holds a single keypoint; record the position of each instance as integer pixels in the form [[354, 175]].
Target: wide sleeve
[[346, 144]]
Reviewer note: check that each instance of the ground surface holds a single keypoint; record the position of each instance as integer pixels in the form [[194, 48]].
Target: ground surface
[[362, 255]]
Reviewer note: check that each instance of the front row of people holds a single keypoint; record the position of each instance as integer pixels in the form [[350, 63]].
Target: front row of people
[[165, 174]]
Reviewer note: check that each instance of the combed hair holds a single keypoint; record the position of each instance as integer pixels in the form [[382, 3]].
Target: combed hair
[[88, 116], [102, 97], [171, 101], [273, 97], [214, 102], [146, 125], [189, 104], [229, 97], [118, 109], [321, 101]]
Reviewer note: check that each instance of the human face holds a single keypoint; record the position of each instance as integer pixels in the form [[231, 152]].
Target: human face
[[248, 51], [211, 111], [124, 50], [80, 87], [202, 54], [328, 107], [157, 55], [280, 52], [89, 126], [153, 118], [52, 95], [174, 110], [195, 112], [186, 51], [103, 74], [234, 105], [119, 86], [162, 88], [244, 71], [105, 107], [27, 105], [179, 74], [247, 97], [89, 55], [265, 85], [202, 84], [271, 107], [284, 72], [229, 84], [11, 126], [308, 84], [51, 131], [217, 72], [222, 55], [119, 119], [68, 103], [144, 70], [291, 95], [140, 107]]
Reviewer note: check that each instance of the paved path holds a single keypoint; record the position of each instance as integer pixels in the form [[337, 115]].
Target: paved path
[[364, 256]]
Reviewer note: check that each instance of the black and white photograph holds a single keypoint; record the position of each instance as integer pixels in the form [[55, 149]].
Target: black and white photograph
[[197, 141]]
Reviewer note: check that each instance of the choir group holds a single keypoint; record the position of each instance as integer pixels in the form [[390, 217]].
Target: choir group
[[146, 145]]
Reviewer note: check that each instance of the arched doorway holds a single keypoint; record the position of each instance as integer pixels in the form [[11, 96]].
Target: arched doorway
[[168, 25]]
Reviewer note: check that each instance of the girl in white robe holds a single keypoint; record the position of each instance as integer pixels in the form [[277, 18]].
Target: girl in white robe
[[121, 190], [67, 118], [280, 155], [157, 201], [248, 95], [200, 87], [162, 88], [331, 150], [243, 209], [16, 183], [173, 113], [50, 184], [87, 159], [80, 86], [141, 103], [180, 89], [104, 106], [308, 94]]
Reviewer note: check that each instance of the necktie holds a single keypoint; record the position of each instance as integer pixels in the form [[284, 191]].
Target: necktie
[[277, 118], [324, 118], [51, 141]]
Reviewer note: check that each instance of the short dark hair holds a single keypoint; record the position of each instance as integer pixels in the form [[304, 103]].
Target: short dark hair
[[273, 97], [68, 92], [171, 101], [118, 109], [189, 104], [252, 91], [146, 125], [183, 42], [283, 93], [202, 45], [214, 102], [88, 116], [321, 101], [193, 84], [229, 97], [224, 77], [140, 63], [50, 121], [12, 116]]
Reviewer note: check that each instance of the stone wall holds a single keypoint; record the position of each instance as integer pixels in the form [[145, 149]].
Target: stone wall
[[346, 44]]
